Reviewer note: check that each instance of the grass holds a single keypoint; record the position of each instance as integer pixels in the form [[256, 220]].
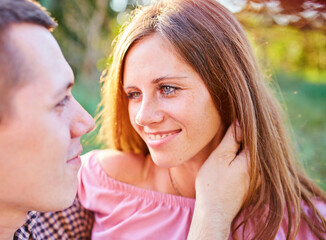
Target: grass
[[305, 104]]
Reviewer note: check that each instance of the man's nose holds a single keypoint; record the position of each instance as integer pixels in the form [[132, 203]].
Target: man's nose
[[82, 122]]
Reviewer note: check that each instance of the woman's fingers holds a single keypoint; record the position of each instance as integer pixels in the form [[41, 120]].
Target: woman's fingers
[[229, 146]]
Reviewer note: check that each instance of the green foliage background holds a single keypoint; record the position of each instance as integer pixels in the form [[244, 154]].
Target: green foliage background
[[293, 61]]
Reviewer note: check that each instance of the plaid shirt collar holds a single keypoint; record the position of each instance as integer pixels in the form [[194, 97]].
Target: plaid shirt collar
[[74, 222], [25, 232]]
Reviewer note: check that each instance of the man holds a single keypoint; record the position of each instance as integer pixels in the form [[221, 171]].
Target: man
[[40, 121], [40, 129]]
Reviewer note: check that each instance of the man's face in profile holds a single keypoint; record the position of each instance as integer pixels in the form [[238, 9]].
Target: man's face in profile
[[40, 138]]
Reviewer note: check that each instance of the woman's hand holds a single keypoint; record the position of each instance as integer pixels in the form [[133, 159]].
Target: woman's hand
[[221, 186]]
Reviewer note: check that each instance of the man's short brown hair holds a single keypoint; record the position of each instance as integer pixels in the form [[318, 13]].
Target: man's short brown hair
[[11, 61]]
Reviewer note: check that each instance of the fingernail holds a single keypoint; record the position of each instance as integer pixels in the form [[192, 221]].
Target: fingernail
[[237, 123]]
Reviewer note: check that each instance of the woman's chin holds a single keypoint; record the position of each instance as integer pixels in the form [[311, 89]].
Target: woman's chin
[[166, 160]]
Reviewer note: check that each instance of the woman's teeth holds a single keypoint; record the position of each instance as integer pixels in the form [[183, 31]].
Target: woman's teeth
[[158, 136]]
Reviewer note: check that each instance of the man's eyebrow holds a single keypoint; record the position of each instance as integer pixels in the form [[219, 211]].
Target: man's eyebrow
[[64, 88], [160, 79]]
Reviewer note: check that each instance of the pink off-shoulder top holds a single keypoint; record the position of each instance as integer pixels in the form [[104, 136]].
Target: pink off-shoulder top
[[123, 211]]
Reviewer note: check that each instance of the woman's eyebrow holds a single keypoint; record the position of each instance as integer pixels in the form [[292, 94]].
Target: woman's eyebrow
[[160, 79]]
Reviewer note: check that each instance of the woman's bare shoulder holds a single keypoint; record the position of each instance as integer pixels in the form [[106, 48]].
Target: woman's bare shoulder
[[122, 166]]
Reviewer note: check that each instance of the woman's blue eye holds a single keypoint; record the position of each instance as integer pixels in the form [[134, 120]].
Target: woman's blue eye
[[133, 95], [63, 102], [168, 90]]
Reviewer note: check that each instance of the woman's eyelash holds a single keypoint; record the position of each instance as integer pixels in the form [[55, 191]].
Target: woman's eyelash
[[168, 89], [165, 90], [133, 95]]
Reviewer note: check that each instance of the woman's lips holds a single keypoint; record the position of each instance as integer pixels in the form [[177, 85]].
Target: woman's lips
[[156, 139]]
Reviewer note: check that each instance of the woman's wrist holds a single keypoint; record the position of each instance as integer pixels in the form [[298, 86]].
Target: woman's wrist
[[209, 222]]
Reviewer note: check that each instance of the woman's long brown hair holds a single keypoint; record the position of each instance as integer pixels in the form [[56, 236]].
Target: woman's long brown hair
[[207, 37]]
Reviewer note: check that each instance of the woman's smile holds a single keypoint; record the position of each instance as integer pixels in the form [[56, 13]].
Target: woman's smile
[[156, 139]]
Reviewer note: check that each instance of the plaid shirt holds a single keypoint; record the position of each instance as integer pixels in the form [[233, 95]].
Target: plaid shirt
[[74, 222]]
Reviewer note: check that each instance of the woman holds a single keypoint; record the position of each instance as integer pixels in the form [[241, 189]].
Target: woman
[[182, 72]]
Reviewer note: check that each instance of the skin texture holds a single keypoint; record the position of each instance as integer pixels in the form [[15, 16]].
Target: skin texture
[[40, 140], [171, 109]]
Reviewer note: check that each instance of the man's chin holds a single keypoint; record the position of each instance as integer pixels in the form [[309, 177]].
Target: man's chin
[[54, 204]]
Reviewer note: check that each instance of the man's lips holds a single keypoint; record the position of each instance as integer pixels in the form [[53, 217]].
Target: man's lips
[[75, 161], [76, 158]]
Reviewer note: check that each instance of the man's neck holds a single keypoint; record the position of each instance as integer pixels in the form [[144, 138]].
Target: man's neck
[[10, 221], [6, 233]]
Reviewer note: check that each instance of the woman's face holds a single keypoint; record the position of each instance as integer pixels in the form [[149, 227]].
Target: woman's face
[[169, 104]]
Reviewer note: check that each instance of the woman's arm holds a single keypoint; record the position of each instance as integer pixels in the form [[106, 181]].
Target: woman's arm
[[221, 186]]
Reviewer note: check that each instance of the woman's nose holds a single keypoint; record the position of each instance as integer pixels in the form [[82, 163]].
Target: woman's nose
[[149, 113]]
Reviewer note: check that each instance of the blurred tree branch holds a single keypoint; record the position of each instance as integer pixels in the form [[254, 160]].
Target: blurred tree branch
[[84, 32]]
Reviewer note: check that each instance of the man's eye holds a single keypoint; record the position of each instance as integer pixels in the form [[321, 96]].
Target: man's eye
[[168, 90], [63, 102], [133, 95]]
